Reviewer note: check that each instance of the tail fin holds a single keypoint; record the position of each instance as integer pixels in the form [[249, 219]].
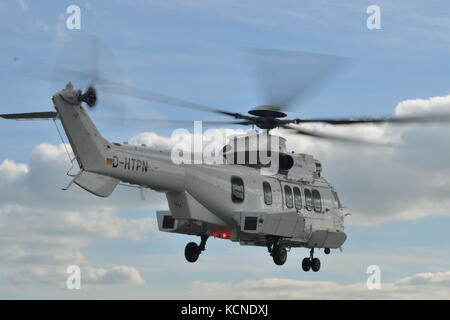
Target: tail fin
[[87, 143]]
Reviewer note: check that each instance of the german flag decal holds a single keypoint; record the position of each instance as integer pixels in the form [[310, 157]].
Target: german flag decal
[[109, 161]]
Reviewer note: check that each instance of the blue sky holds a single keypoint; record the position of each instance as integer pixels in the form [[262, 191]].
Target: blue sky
[[193, 49]]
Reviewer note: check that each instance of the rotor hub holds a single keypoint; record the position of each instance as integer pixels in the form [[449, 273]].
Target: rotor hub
[[267, 111]]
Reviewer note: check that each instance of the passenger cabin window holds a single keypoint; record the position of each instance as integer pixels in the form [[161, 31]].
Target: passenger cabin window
[[267, 193], [237, 190], [288, 195], [308, 200], [297, 198], [317, 201]]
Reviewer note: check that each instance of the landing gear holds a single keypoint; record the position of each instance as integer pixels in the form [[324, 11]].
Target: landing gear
[[311, 262], [306, 264], [192, 250], [315, 264], [279, 255], [277, 251]]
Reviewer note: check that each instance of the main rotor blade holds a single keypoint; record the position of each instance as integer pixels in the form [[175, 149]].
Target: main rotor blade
[[285, 76], [431, 118], [92, 58], [148, 95], [327, 136], [38, 70], [149, 123]]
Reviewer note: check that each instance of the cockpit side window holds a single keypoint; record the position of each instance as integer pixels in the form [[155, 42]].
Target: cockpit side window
[[336, 198], [308, 199], [267, 193], [237, 190], [297, 198], [317, 201], [288, 196]]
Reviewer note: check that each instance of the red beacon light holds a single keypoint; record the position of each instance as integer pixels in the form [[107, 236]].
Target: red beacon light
[[224, 235]]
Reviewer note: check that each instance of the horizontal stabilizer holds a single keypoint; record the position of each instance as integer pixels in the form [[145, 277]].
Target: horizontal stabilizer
[[29, 115], [95, 183]]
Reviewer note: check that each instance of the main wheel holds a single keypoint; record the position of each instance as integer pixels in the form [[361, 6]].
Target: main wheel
[[306, 264], [279, 255], [315, 264], [191, 252]]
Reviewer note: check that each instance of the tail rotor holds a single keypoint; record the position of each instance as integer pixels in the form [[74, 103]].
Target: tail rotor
[[89, 97]]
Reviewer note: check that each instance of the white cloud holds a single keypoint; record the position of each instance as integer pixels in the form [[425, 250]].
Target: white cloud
[[44, 229], [38, 244], [56, 276], [439, 279], [436, 286], [422, 106], [36, 274], [47, 152], [109, 225], [151, 139], [39, 186], [113, 276], [11, 171]]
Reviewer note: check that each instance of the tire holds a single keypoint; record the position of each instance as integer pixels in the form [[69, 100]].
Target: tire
[[306, 264], [191, 252], [279, 255], [315, 264]]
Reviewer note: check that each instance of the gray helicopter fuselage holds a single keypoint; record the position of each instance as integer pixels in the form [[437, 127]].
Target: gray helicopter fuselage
[[297, 207]]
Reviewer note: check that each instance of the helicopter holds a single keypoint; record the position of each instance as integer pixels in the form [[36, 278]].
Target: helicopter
[[245, 199]]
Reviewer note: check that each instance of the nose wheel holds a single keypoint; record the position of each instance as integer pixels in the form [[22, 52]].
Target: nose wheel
[[279, 255], [192, 250], [277, 251], [311, 263]]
